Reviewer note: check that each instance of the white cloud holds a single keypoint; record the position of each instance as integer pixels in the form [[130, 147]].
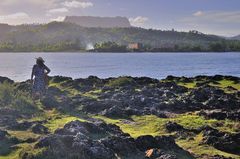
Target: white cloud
[[214, 17], [19, 15], [39, 3], [138, 21], [198, 13], [77, 4], [58, 10], [213, 22], [58, 19], [15, 18]]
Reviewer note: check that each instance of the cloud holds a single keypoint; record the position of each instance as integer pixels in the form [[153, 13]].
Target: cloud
[[77, 4], [198, 13], [19, 15], [15, 18], [213, 22], [138, 21], [214, 16], [58, 10], [58, 19], [38, 3]]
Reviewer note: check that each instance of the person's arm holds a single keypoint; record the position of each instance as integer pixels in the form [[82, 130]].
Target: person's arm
[[47, 69], [32, 73]]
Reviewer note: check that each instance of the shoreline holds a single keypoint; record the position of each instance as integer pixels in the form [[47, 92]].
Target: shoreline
[[124, 76], [86, 52]]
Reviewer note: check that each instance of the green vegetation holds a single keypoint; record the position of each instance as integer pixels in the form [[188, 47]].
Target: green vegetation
[[153, 125], [17, 100], [226, 86], [187, 84], [121, 81], [60, 36], [109, 47], [15, 145], [59, 122], [194, 145]]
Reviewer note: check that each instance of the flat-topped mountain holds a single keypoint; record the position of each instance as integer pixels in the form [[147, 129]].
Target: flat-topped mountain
[[102, 22]]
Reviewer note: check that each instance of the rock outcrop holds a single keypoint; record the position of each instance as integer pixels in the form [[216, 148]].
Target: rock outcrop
[[104, 141]]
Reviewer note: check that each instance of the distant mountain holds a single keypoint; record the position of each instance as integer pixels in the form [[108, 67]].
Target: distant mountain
[[102, 22], [236, 37]]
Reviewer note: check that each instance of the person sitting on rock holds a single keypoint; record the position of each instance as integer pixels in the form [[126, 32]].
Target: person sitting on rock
[[39, 72]]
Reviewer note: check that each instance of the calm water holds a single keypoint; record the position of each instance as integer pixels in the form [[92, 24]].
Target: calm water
[[17, 66]]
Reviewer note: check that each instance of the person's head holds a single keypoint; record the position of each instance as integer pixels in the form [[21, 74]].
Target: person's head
[[40, 61]]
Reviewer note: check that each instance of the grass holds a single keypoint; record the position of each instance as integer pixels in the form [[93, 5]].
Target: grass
[[153, 125], [120, 81], [187, 84], [140, 125], [21, 149], [21, 101], [223, 84], [92, 94], [198, 149], [23, 135], [59, 122]]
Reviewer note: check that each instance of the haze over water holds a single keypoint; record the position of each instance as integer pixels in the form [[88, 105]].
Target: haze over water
[[17, 66]]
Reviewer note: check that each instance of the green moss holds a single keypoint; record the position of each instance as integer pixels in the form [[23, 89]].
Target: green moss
[[23, 135], [139, 125], [59, 122], [195, 146], [192, 121], [153, 125], [93, 94], [187, 84], [223, 84], [120, 81]]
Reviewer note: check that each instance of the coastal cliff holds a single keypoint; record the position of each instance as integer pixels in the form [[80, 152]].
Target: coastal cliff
[[124, 117]]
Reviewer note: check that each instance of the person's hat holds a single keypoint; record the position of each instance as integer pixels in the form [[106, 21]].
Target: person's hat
[[40, 59]]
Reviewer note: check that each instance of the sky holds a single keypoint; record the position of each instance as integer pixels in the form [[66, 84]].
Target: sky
[[220, 17]]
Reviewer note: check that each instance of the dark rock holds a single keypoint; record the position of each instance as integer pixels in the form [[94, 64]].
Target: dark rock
[[220, 157], [3, 134], [39, 129], [114, 112], [217, 78], [22, 125], [5, 79], [223, 141], [88, 140], [144, 143], [58, 79], [159, 154], [147, 142], [172, 126], [121, 146]]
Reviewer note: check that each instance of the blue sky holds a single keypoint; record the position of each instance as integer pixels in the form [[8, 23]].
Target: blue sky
[[221, 17]]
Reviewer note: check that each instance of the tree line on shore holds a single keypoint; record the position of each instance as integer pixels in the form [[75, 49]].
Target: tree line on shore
[[59, 36]]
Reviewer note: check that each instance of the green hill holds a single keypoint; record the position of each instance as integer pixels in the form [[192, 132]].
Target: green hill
[[60, 36]]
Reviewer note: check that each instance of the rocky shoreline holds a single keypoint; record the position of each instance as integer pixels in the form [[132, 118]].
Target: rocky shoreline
[[124, 117]]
